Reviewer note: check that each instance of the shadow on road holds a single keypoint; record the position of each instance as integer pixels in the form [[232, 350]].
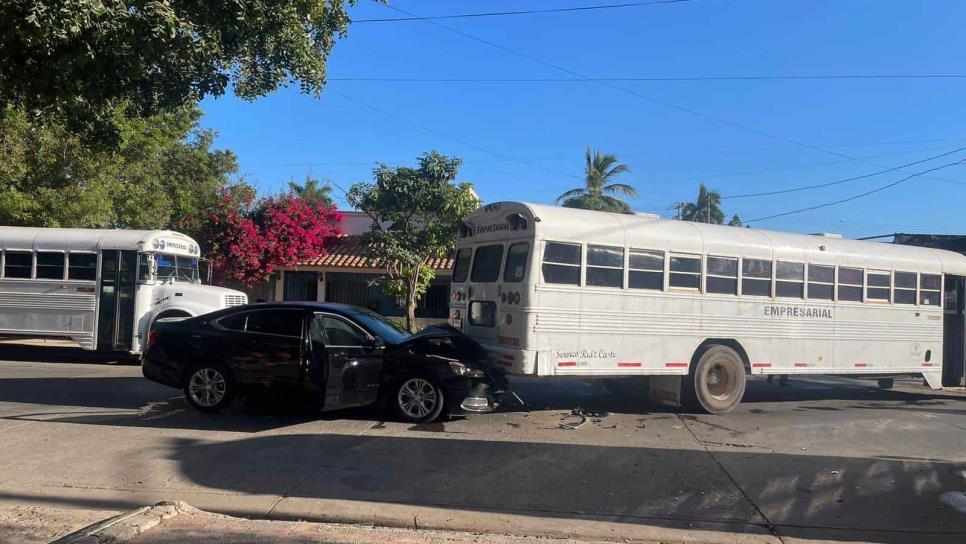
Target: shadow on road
[[52, 354], [805, 496]]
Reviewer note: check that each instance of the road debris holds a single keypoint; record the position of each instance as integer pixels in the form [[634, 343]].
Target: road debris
[[584, 415]]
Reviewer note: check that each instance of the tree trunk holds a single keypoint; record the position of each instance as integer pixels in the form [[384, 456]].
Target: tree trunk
[[411, 312]]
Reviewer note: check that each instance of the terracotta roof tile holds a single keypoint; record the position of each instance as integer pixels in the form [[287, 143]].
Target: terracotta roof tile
[[350, 252]]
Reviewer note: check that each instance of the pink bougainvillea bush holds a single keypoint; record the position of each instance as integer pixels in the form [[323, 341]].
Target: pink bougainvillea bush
[[248, 239]]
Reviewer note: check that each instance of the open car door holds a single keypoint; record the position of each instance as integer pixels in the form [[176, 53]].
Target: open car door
[[345, 362]]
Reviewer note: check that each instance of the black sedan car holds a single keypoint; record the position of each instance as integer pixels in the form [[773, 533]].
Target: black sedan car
[[342, 355]]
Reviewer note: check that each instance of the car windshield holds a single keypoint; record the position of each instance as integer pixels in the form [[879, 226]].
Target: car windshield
[[178, 267], [379, 325]]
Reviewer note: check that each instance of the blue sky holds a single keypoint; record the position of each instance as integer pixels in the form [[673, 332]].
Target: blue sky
[[525, 141]]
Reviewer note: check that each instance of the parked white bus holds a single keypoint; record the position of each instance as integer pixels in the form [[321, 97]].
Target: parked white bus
[[100, 289], [554, 291]]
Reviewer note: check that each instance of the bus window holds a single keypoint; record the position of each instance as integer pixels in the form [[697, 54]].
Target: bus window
[[722, 275], [486, 263], [878, 285], [144, 267], [462, 268], [82, 266], [685, 272], [905, 288], [756, 277], [850, 284], [561, 263], [929, 289], [821, 282], [790, 279], [646, 270], [17, 264], [482, 313], [605, 266], [50, 265], [516, 262]]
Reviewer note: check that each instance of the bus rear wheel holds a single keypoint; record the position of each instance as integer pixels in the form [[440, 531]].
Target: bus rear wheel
[[718, 381]]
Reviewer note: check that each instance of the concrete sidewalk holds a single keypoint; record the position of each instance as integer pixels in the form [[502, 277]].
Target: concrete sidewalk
[[177, 522]]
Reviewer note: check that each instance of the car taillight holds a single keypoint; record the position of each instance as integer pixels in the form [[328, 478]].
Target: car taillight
[[153, 337]]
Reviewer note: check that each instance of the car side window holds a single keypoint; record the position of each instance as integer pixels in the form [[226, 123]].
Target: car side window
[[338, 332], [281, 322]]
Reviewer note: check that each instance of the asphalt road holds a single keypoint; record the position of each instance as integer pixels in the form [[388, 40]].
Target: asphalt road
[[831, 459]]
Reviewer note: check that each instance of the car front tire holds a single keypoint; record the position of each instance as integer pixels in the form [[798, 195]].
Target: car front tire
[[418, 399], [209, 388]]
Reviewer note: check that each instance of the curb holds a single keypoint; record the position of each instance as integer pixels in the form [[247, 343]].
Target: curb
[[124, 527]]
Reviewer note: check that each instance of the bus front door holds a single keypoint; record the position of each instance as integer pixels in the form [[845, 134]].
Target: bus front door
[[115, 315], [954, 332]]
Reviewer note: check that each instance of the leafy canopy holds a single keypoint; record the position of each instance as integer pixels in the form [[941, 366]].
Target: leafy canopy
[[77, 60], [600, 192], [312, 191], [706, 209], [416, 214], [162, 170], [248, 239]]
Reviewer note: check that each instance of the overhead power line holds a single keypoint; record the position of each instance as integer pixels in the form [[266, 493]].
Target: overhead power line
[[846, 180], [632, 92], [451, 137], [522, 12], [643, 79], [858, 196]]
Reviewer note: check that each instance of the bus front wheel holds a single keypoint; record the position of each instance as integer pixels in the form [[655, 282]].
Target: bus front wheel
[[718, 380]]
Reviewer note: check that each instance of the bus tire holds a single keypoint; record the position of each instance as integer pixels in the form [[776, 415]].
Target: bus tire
[[718, 381], [886, 383]]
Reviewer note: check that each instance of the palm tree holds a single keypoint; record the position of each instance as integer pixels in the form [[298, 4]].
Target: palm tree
[[599, 191], [311, 191], [707, 209]]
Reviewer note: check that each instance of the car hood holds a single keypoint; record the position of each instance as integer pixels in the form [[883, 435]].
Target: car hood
[[468, 349]]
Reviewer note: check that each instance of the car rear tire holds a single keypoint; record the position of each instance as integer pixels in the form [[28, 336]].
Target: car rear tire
[[418, 399], [718, 381], [209, 388]]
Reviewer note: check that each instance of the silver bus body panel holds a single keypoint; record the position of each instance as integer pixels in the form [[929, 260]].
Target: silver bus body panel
[[610, 331]]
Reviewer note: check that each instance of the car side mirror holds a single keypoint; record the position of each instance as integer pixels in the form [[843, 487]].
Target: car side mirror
[[374, 343]]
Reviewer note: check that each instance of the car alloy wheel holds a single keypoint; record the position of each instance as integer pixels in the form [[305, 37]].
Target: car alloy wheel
[[418, 399], [207, 387]]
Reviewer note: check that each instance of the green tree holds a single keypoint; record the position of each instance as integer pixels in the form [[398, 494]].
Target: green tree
[[78, 60], [735, 221], [311, 191], [162, 170], [600, 192], [706, 209], [416, 213]]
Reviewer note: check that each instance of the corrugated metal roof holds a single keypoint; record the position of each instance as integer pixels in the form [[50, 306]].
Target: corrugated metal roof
[[350, 252]]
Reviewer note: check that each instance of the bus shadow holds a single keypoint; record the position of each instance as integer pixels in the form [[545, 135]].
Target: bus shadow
[[803, 496], [59, 354]]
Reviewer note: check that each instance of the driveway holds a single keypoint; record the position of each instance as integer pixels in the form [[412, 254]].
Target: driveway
[[819, 459]]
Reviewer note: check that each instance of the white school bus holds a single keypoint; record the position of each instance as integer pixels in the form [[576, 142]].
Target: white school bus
[[553, 291], [98, 288]]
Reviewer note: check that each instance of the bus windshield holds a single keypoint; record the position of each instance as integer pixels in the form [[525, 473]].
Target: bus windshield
[[177, 267]]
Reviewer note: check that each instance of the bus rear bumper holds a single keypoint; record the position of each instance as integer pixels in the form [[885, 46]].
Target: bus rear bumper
[[512, 360]]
